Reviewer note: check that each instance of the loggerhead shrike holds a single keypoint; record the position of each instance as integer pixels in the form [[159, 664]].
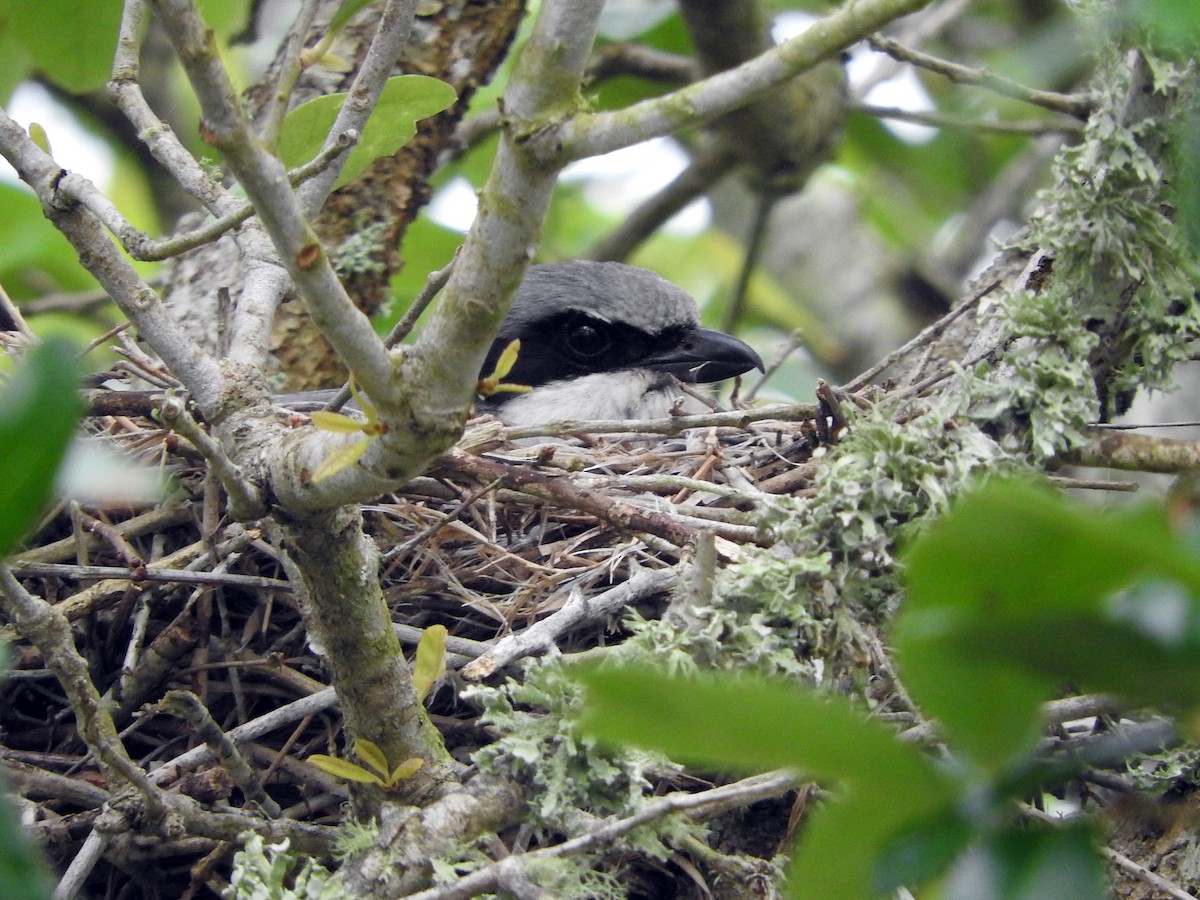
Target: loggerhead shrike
[[603, 340], [599, 340]]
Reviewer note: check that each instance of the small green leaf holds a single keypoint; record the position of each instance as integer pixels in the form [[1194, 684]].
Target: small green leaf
[[493, 384], [405, 100], [38, 135], [39, 409], [336, 422], [371, 754], [343, 768], [430, 664], [340, 459]]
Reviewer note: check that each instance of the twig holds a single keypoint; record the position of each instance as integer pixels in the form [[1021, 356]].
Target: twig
[[155, 574], [927, 335], [700, 102], [1074, 105], [1135, 452], [187, 706], [738, 418], [245, 499], [48, 629], [578, 610], [391, 34], [433, 285], [702, 172], [981, 126], [738, 794]]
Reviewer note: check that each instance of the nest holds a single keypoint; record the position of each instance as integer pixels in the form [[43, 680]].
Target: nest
[[516, 549]]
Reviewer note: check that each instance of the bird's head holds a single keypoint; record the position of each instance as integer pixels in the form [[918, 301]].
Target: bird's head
[[603, 340]]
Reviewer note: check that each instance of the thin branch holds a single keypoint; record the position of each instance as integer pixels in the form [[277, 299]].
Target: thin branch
[[739, 794], [245, 499], [592, 134], [1075, 105], [1135, 452], [125, 92], [391, 34], [980, 126], [48, 629], [578, 610], [737, 418], [265, 182], [115, 273], [704, 170]]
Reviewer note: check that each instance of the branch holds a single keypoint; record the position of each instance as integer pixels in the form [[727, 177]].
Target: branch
[[1076, 106], [264, 179], [116, 275], [590, 135], [1109, 449]]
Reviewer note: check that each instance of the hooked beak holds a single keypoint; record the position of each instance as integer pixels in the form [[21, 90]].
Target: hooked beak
[[705, 356]]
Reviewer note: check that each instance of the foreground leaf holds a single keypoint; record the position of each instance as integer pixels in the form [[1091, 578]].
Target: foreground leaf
[[39, 409]]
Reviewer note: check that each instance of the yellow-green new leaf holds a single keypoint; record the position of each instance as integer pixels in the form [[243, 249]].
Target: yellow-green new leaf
[[370, 753], [406, 769], [342, 768], [336, 422], [430, 664], [340, 459]]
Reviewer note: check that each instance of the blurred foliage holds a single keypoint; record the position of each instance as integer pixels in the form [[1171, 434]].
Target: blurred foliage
[[1010, 594], [39, 409]]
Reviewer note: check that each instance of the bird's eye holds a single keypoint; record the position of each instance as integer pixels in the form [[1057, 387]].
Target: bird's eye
[[587, 339]]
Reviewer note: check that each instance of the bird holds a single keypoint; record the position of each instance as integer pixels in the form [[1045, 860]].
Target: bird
[[598, 341], [606, 341]]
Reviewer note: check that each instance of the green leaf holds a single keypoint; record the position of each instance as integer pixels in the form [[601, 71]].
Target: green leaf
[[70, 42], [343, 768], [921, 852], [884, 787], [405, 100], [1032, 863], [1015, 591], [39, 409], [370, 753], [32, 251], [430, 664], [345, 13]]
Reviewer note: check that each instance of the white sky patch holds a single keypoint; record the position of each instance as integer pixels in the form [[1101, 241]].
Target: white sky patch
[[454, 206], [73, 146], [901, 91], [618, 182], [614, 183]]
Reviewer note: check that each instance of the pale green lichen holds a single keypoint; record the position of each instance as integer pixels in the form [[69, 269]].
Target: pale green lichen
[[272, 872], [798, 607], [1118, 306]]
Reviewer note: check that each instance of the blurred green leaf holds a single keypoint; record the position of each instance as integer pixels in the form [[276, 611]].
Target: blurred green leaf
[[405, 100], [225, 17], [734, 722], [1015, 592], [39, 408], [23, 876], [34, 257], [345, 13], [70, 42], [1032, 863], [922, 852]]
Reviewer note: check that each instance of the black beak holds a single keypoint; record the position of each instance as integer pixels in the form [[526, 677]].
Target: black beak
[[705, 355]]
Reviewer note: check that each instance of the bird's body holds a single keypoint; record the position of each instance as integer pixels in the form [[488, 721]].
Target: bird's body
[[599, 341]]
